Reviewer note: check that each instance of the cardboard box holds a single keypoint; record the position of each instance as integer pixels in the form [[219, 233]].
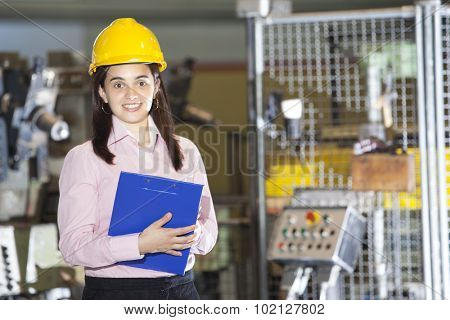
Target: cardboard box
[[383, 172]]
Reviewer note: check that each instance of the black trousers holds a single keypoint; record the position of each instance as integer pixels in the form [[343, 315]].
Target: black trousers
[[165, 288]]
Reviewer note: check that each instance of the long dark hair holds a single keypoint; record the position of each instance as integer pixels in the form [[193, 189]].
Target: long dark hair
[[162, 116]]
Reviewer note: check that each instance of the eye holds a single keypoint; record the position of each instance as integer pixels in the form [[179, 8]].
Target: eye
[[118, 85], [142, 83]]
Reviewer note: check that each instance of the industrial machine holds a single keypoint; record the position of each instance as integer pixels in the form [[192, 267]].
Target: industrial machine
[[27, 123], [9, 264], [178, 86], [30, 263]]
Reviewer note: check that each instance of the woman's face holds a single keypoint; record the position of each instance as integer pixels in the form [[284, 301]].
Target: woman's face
[[129, 89]]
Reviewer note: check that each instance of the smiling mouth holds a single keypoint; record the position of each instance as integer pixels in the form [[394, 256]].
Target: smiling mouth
[[131, 107]]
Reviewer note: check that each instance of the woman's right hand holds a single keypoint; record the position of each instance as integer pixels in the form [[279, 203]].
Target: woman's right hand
[[155, 238]]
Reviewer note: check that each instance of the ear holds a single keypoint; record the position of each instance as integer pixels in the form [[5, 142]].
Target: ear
[[102, 94]]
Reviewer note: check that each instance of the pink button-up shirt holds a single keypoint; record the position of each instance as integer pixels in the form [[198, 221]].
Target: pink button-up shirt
[[87, 188]]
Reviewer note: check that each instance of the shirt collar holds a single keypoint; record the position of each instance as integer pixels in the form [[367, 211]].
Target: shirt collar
[[119, 131]]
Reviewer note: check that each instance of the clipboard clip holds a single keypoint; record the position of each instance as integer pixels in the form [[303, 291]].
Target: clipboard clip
[[160, 191]]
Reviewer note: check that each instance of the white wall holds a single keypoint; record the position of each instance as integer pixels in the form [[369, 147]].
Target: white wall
[[31, 40], [222, 41]]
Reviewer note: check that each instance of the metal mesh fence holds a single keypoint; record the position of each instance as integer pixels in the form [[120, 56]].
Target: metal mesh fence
[[328, 62]]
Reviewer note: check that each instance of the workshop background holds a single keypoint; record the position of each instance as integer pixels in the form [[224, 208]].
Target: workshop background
[[324, 126]]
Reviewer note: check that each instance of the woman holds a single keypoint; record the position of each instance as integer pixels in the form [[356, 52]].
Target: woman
[[133, 132]]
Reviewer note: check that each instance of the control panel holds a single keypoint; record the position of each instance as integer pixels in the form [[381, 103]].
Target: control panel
[[318, 236]]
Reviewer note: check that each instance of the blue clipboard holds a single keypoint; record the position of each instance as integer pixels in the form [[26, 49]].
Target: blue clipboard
[[141, 200]]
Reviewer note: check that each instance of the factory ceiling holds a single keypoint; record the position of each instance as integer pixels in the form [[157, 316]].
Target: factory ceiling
[[167, 9]]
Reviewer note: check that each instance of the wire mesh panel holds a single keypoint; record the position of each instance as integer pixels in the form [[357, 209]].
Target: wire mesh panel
[[341, 67]]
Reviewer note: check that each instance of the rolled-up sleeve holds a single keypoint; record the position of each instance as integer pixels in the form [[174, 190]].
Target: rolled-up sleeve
[[77, 215], [207, 216]]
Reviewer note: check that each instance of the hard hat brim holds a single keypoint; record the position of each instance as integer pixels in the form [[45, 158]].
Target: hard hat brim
[[93, 68]]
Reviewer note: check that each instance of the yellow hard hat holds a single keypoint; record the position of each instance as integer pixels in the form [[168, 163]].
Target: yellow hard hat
[[126, 41]]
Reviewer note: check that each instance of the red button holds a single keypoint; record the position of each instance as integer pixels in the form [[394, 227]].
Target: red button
[[310, 216]]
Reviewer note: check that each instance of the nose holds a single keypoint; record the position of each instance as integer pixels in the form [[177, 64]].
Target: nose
[[131, 94]]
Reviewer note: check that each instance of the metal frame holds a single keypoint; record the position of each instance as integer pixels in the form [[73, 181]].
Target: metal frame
[[423, 155], [435, 218], [441, 164], [432, 190], [256, 155]]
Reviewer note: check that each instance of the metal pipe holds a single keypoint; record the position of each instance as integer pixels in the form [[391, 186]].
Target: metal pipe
[[441, 165], [250, 145], [256, 149], [431, 150], [378, 245], [260, 123], [423, 156]]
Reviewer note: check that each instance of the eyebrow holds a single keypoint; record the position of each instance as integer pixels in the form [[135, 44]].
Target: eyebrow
[[120, 78]]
